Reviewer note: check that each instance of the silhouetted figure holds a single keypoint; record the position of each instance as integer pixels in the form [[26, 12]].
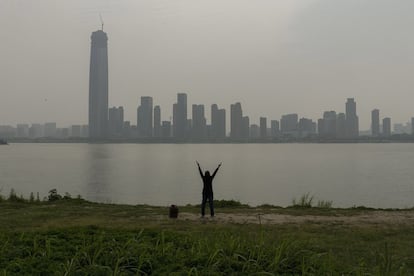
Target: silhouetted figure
[[207, 189]]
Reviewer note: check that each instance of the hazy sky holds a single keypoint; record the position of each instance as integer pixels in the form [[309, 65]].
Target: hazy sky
[[274, 56]]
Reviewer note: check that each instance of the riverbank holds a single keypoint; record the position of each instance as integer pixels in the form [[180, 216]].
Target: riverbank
[[81, 238], [397, 138]]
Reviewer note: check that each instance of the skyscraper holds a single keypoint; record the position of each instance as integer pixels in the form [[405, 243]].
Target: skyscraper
[[289, 123], [116, 121], [236, 121], [144, 117], [263, 127], [327, 127], [274, 126], [157, 121], [50, 130], [375, 123], [218, 122], [352, 122], [245, 127], [180, 123], [341, 126], [98, 86], [306, 127], [386, 127], [199, 128]]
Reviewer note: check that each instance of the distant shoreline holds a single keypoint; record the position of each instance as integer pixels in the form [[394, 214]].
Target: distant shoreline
[[363, 140]]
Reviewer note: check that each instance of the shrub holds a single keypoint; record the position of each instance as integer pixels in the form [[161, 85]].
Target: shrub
[[53, 195], [305, 201], [228, 203]]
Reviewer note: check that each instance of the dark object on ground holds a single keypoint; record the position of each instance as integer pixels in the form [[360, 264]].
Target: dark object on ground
[[3, 142], [173, 211]]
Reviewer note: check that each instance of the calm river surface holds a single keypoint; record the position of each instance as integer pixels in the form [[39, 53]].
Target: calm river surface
[[376, 175]]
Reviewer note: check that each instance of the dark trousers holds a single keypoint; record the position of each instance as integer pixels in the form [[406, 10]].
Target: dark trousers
[[206, 197]]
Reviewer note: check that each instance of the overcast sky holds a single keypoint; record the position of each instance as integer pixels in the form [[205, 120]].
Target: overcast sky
[[274, 56]]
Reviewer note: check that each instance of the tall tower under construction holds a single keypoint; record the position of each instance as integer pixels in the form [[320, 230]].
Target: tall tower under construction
[[98, 86]]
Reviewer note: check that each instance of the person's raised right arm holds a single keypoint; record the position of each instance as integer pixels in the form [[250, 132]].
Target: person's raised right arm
[[199, 169]]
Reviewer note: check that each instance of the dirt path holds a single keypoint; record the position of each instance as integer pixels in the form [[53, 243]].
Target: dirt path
[[368, 218]]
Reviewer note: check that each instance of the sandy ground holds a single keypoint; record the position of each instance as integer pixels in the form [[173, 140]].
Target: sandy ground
[[368, 218]]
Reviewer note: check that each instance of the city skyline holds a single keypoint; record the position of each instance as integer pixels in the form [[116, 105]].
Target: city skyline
[[290, 54], [185, 128]]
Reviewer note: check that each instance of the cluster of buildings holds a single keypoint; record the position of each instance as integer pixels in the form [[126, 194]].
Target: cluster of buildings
[[108, 123], [192, 125]]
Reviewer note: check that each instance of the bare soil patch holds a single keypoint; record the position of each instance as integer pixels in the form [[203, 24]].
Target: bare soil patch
[[367, 218]]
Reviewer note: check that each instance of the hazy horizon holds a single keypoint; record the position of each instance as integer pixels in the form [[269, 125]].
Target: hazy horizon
[[275, 57]]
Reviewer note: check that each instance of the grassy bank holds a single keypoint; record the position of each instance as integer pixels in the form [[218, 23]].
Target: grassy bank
[[76, 237]]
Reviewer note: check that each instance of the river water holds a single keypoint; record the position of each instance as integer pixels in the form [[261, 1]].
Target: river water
[[375, 175]]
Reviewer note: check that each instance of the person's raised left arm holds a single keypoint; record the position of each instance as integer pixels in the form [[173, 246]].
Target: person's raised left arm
[[199, 169]]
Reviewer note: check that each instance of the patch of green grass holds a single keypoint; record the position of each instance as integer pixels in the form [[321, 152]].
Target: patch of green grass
[[207, 249], [77, 237]]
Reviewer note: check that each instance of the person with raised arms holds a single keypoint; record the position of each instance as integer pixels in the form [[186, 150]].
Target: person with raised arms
[[207, 189]]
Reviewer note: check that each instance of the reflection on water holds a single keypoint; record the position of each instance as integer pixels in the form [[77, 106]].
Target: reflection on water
[[377, 175], [98, 170]]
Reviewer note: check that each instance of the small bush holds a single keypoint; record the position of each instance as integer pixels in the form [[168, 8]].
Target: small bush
[[54, 196], [228, 203]]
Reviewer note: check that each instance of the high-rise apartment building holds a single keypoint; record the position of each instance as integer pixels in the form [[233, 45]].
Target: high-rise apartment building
[[245, 128], [98, 86], [116, 121], [199, 126], [22, 130], [218, 122], [341, 126], [306, 127], [352, 121], [289, 124], [36, 131], [236, 121], [144, 117], [254, 131], [50, 130], [180, 121], [263, 127], [375, 123], [157, 121], [327, 126], [386, 127], [274, 128]]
